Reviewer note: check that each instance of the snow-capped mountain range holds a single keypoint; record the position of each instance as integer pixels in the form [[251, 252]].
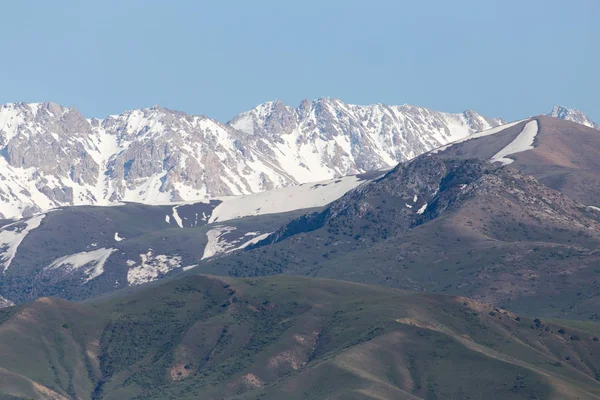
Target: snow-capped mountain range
[[53, 156]]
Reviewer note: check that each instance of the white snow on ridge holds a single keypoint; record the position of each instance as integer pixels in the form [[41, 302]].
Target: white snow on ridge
[[422, 209], [10, 240], [476, 135], [308, 195], [521, 143], [92, 262]]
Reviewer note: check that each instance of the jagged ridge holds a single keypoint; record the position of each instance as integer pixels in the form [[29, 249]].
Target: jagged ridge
[[53, 156]]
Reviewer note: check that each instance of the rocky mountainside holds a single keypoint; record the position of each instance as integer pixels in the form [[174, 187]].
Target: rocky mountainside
[[85, 251], [130, 244], [205, 337], [464, 219], [503, 219], [560, 154], [333, 138], [573, 115], [53, 156]]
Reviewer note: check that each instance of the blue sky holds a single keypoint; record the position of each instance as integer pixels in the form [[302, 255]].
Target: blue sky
[[502, 58]]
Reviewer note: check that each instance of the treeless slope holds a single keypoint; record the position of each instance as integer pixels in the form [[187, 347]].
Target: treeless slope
[[436, 224], [291, 337], [49, 349], [566, 157]]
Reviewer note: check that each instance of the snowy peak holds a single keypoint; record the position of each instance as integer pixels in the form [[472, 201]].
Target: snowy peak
[[573, 115], [53, 156], [28, 119], [335, 138]]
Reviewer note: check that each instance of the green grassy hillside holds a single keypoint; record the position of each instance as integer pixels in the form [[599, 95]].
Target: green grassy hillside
[[290, 337]]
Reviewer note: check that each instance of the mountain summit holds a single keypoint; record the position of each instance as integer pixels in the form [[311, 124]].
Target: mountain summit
[[332, 137], [53, 156], [573, 115]]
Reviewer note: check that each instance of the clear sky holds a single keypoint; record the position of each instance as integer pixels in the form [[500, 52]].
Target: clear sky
[[500, 57]]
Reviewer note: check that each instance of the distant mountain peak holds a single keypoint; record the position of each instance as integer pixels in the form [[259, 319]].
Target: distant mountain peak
[[54, 156], [573, 115]]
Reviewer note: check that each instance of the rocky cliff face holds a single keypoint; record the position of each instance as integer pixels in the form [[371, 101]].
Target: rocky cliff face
[[53, 156], [327, 137], [573, 115]]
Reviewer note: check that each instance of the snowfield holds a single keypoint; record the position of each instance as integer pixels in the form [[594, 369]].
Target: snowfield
[[12, 235], [90, 262], [485, 133], [217, 244], [308, 195], [521, 143]]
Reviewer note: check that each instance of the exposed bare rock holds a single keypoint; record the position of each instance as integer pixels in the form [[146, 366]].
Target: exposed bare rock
[[53, 156]]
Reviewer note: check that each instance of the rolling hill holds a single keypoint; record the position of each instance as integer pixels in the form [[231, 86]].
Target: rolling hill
[[293, 337]]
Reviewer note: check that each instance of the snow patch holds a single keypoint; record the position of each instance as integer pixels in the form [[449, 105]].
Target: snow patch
[[308, 195], [152, 267], [253, 240], [12, 235], [167, 219], [90, 262], [521, 143], [216, 243], [176, 217], [422, 209], [118, 238], [476, 135]]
